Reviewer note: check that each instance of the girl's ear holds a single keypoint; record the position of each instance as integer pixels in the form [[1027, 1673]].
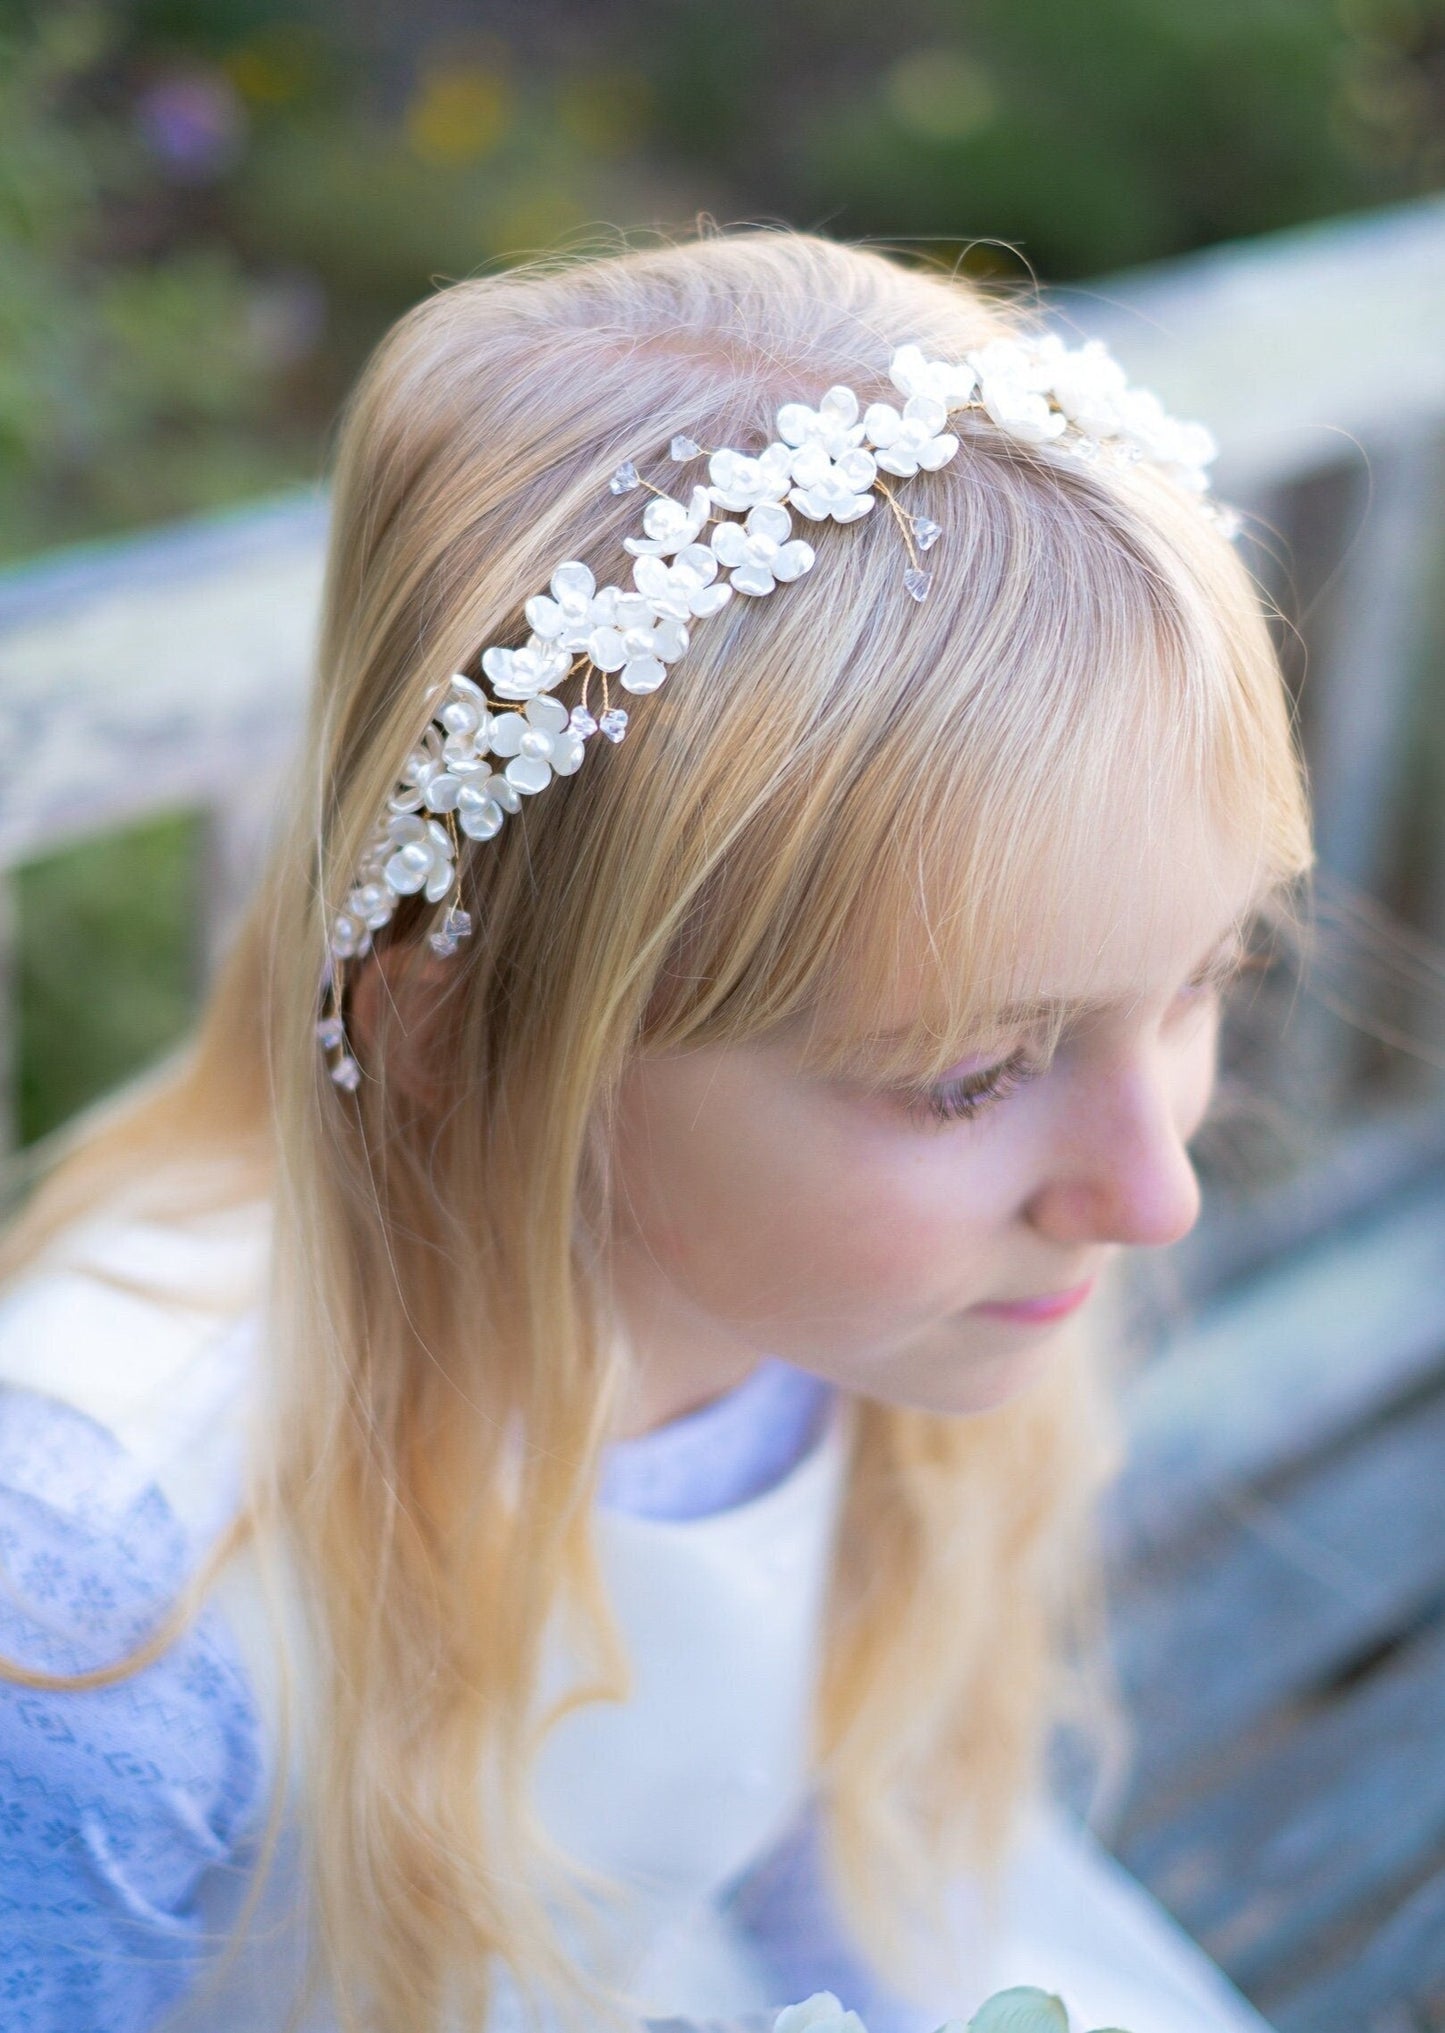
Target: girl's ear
[[396, 1007]]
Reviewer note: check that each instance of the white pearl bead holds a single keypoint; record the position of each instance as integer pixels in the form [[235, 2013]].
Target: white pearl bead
[[459, 717]]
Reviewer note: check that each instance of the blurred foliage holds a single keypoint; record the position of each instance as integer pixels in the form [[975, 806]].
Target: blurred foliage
[[107, 967], [210, 209]]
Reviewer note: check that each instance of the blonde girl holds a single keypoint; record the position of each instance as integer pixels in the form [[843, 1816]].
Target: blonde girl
[[583, 1516]]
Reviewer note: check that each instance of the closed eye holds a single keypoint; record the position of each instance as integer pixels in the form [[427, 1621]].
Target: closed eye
[[967, 1095]]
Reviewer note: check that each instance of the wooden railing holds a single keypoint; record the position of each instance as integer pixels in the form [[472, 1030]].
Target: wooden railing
[[168, 671]]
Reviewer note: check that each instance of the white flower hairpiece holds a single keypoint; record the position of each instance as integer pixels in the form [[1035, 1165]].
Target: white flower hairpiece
[[1023, 2009], [482, 753]]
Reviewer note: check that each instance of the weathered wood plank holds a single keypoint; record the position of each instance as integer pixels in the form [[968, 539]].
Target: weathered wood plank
[[1320, 1833], [156, 673], [1282, 1365], [1293, 1585], [1402, 1970]]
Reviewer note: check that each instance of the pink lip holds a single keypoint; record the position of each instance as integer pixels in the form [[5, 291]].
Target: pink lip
[[1032, 1312]]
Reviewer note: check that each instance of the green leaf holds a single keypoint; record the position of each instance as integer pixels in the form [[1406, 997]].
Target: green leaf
[[1023, 2010]]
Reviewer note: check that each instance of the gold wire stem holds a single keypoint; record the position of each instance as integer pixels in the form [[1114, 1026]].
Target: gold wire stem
[[902, 518]]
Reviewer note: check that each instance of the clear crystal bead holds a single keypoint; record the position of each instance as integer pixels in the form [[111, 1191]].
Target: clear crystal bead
[[346, 1073], [613, 723], [457, 923], [441, 944], [684, 448], [917, 582], [331, 1032], [581, 722], [926, 532], [625, 479]]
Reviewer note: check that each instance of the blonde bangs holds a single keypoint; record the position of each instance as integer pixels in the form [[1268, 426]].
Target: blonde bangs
[[889, 792]]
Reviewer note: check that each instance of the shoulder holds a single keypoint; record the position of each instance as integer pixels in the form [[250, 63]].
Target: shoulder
[[115, 1800]]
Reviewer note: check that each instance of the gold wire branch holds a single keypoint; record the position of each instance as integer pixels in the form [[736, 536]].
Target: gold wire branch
[[902, 518]]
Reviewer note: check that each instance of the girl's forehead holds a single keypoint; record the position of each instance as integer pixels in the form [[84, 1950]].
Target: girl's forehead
[[1112, 921]]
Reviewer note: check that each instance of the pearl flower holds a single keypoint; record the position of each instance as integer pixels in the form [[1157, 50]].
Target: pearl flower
[[759, 550], [1186, 449], [466, 723], [939, 380], [683, 588], [1086, 383], [740, 483], [640, 647], [833, 425], [915, 439], [826, 487], [1012, 382], [537, 744], [669, 525], [421, 857], [522, 673], [822, 2013], [566, 615]]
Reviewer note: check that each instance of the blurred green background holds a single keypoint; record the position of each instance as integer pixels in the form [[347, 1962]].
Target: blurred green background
[[209, 210]]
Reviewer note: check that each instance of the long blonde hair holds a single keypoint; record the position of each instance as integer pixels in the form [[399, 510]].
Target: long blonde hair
[[830, 774]]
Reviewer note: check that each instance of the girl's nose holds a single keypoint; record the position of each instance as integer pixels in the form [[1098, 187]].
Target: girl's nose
[[1122, 1172]]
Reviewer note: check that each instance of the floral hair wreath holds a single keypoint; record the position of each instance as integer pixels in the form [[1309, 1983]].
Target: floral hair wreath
[[481, 753]]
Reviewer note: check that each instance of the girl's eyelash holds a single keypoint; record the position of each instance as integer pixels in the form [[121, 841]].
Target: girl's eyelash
[[962, 1099], [1222, 974]]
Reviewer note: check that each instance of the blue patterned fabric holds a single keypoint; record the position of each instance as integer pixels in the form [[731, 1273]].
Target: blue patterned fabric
[[115, 1801]]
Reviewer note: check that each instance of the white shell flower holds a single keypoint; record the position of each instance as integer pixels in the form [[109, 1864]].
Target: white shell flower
[[536, 744], [833, 424], [424, 763], [669, 525], [685, 587], [522, 673], [945, 381], [466, 724], [1186, 449], [760, 552], [565, 619], [916, 438], [641, 650], [826, 487], [740, 483], [349, 937], [1012, 385], [1086, 382], [822, 2013], [421, 857]]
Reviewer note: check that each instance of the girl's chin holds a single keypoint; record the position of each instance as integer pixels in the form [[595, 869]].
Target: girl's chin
[[980, 1378]]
